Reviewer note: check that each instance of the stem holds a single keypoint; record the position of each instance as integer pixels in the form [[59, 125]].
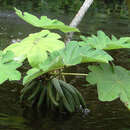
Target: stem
[[79, 16], [75, 74], [77, 19]]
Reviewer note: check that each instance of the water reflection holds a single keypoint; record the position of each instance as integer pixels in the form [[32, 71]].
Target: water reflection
[[12, 122]]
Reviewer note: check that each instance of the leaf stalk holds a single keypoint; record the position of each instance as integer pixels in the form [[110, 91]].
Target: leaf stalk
[[74, 74]]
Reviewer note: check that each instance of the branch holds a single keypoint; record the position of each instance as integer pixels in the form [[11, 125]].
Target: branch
[[74, 74], [77, 19]]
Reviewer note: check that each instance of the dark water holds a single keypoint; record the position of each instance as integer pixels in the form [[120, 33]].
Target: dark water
[[103, 115]]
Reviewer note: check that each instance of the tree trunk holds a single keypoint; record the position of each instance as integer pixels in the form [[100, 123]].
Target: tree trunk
[[78, 17]]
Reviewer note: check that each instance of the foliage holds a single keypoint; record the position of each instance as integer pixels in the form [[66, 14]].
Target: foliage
[[44, 83], [45, 22], [8, 67], [65, 5], [108, 7], [32, 5], [75, 54], [102, 41], [71, 55], [112, 82], [38, 44]]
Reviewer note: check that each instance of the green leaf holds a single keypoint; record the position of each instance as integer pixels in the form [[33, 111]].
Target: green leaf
[[102, 41], [35, 47], [111, 84], [45, 22], [32, 74], [74, 54], [91, 55], [8, 67], [53, 62], [71, 54]]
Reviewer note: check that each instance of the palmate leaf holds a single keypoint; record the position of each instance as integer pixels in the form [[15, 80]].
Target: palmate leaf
[[36, 46], [91, 55], [53, 62], [45, 22], [32, 73], [112, 82], [102, 41], [74, 54], [8, 67], [71, 55]]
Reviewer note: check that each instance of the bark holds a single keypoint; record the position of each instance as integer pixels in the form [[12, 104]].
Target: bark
[[78, 17]]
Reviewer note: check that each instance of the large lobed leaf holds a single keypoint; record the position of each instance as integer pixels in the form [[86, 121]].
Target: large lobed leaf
[[53, 62], [36, 47], [112, 82], [45, 22], [74, 54], [102, 41], [71, 55], [8, 67], [32, 73]]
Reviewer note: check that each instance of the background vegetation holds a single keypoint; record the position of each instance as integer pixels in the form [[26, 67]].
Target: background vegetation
[[64, 5]]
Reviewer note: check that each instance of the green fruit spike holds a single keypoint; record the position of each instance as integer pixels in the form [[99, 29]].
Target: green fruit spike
[[71, 89], [34, 94], [28, 87], [51, 94], [70, 100], [57, 86], [42, 96]]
